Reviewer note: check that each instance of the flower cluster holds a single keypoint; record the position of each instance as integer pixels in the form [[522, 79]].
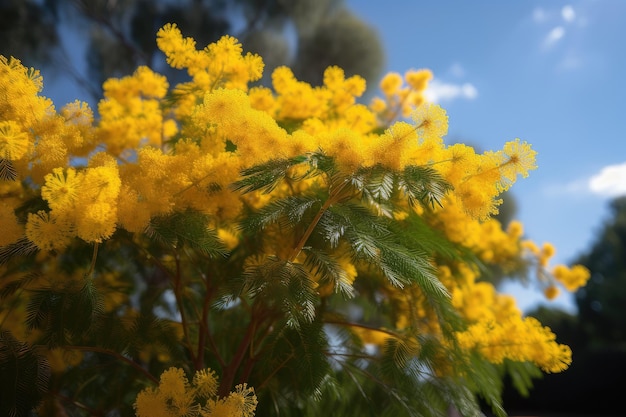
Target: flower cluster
[[570, 278], [176, 397], [535, 344]]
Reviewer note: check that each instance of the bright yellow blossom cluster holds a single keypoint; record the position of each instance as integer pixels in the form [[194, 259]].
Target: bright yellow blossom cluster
[[496, 329], [176, 397], [34, 139], [82, 204], [399, 99], [533, 343], [570, 278], [131, 112]]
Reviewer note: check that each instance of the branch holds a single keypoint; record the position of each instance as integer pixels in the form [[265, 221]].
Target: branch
[[205, 333], [229, 372], [115, 355], [183, 317], [364, 326], [334, 196], [91, 411]]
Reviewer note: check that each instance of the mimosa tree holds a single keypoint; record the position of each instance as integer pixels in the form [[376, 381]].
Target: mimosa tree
[[211, 248]]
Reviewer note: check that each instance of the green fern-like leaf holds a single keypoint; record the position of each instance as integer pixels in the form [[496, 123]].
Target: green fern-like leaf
[[66, 315], [187, 228], [402, 265], [329, 270], [373, 241], [267, 176], [7, 170], [300, 367], [283, 285], [39, 308], [16, 285], [377, 184], [414, 232], [522, 374], [397, 356], [149, 331], [333, 225], [24, 376], [423, 185], [23, 247], [322, 163], [290, 210]]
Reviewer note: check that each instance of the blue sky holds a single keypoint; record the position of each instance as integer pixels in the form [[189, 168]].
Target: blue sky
[[552, 73]]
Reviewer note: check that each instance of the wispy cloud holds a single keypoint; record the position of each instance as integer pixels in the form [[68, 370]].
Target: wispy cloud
[[559, 21], [555, 35], [439, 91], [610, 181], [568, 14]]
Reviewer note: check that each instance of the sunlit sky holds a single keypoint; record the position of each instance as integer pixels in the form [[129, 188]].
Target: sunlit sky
[[552, 73]]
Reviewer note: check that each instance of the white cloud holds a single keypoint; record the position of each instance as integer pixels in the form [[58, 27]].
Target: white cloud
[[610, 181], [554, 36], [568, 14], [539, 15], [439, 91]]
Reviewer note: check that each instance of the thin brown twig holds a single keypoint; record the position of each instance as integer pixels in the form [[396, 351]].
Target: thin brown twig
[[205, 332], [91, 411], [115, 355], [181, 308], [334, 196]]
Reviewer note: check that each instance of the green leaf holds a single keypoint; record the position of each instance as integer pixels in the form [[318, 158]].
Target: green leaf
[[7, 170], [23, 247], [376, 183], [373, 241], [483, 378], [403, 265], [290, 209], [39, 308], [322, 163], [414, 232], [267, 176], [148, 331], [399, 352], [283, 285], [64, 316], [333, 225], [329, 270], [522, 374], [24, 376], [13, 286], [186, 228], [423, 185], [298, 362]]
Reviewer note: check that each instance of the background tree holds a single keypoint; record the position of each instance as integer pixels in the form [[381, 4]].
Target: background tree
[[307, 35], [601, 303], [596, 334]]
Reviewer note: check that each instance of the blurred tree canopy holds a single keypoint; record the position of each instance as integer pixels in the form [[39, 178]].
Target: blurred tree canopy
[[602, 321], [597, 334], [307, 35]]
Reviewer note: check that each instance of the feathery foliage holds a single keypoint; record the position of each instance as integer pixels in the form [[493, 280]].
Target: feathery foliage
[[24, 376]]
